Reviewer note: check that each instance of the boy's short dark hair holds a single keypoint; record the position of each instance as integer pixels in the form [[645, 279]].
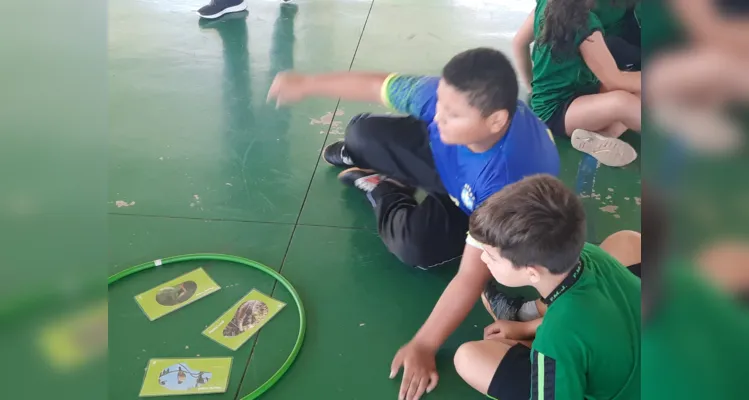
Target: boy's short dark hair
[[487, 77], [536, 221]]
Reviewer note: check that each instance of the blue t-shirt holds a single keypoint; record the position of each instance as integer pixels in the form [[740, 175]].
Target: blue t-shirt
[[527, 148]]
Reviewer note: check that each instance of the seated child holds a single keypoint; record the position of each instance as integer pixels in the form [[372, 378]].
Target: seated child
[[587, 343], [466, 137], [576, 85]]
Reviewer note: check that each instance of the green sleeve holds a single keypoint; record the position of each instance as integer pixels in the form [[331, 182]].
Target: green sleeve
[[557, 368], [594, 24]]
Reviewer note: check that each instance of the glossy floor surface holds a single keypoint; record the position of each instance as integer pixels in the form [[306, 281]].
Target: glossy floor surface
[[200, 163]]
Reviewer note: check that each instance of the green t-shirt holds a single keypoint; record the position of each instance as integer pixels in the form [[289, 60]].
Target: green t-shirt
[[695, 344], [588, 346], [611, 16], [556, 80]]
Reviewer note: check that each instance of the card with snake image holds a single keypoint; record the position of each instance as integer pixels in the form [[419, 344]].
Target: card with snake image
[[177, 293], [243, 319]]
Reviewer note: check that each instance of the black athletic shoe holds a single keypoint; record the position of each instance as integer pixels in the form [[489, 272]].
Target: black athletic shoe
[[217, 8], [503, 307], [336, 155]]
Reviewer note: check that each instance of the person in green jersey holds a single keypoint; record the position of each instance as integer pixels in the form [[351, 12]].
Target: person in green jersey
[[576, 86], [587, 345]]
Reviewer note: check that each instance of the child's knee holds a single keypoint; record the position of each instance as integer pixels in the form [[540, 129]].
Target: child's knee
[[358, 133], [465, 358], [624, 100], [625, 246]]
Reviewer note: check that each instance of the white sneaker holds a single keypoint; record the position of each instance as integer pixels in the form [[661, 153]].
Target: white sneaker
[[607, 150]]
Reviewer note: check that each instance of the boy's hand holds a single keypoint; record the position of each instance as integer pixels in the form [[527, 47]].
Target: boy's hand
[[287, 88], [512, 330], [419, 371]]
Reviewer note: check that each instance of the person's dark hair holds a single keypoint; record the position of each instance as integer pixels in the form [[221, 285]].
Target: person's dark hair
[[562, 22], [536, 221], [487, 77]]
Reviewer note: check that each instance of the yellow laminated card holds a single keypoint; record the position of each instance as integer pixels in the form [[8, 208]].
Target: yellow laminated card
[[175, 294], [182, 376], [244, 319]]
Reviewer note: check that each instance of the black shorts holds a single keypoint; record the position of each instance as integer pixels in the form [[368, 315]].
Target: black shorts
[[512, 380], [556, 121]]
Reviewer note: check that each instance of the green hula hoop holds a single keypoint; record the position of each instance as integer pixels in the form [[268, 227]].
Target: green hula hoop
[[249, 263]]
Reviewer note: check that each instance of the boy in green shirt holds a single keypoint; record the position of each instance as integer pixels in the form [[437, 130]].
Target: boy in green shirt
[[587, 345]]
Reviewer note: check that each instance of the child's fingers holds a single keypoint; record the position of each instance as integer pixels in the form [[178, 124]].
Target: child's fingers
[[491, 330], [405, 383], [396, 365], [433, 379]]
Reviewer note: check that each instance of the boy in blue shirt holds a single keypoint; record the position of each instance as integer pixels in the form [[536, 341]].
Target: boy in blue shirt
[[466, 136]]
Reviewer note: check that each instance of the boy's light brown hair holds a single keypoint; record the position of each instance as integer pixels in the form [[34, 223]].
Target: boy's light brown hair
[[537, 221]]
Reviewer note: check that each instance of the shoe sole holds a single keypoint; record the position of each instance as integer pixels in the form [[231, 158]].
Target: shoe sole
[[612, 152], [232, 9], [346, 171]]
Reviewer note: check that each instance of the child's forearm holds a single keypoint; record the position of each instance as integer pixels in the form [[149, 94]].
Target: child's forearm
[[632, 81], [532, 327], [626, 80], [524, 65], [456, 301], [356, 86]]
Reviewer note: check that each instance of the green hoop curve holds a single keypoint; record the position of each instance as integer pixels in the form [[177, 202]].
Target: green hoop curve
[[249, 263]]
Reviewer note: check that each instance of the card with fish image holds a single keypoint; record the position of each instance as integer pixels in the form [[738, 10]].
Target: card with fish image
[[182, 376], [175, 294], [244, 319]]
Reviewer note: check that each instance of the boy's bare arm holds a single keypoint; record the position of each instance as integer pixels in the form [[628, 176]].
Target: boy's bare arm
[[291, 87], [418, 356], [456, 301]]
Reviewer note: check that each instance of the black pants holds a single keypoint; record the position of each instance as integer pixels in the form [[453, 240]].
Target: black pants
[[626, 48], [422, 234]]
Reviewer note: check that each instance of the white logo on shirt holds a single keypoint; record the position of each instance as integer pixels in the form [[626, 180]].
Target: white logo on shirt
[[467, 197], [457, 203]]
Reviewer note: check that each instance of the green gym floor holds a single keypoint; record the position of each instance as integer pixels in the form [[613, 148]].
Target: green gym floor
[[200, 163]]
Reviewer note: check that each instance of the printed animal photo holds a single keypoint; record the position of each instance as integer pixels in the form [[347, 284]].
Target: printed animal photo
[[249, 314], [173, 295], [181, 377]]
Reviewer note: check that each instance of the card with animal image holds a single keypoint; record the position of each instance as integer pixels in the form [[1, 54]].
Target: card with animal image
[[244, 319], [182, 376], [175, 294]]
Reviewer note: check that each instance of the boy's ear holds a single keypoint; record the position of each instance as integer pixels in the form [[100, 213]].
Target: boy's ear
[[497, 120], [534, 274]]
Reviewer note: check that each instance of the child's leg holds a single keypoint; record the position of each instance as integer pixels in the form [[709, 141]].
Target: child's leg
[[495, 368], [626, 247], [397, 147], [422, 234], [604, 111]]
